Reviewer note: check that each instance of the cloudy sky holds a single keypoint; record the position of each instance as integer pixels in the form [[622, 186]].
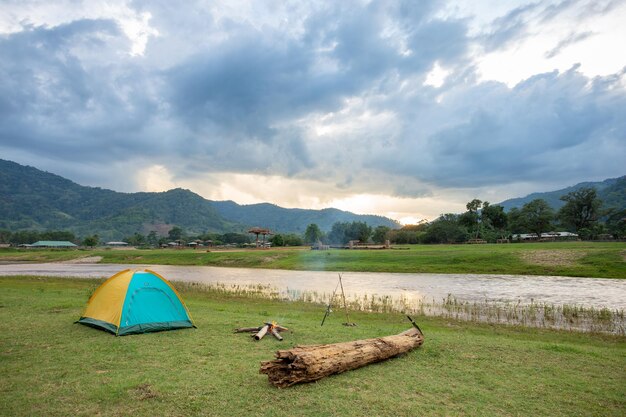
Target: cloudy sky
[[406, 109]]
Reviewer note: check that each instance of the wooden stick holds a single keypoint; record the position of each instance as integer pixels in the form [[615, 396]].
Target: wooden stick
[[247, 329], [276, 334]]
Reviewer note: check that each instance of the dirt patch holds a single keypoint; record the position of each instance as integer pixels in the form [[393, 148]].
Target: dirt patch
[[267, 259], [555, 257], [85, 260], [144, 392]]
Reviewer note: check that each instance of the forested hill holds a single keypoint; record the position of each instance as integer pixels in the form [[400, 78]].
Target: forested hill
[[34, 199], [612, 192], [294, 220]]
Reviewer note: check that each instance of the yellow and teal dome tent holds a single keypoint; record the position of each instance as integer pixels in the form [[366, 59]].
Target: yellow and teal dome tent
[[136, 302]]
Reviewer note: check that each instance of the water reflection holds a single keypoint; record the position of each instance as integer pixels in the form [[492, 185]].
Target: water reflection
[[588, 292]]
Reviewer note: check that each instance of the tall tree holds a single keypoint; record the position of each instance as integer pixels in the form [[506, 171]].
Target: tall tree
[[360, 231], [380, 234], [136, 240], [616, 223], [91, 241], [515, 222], [472, 218], [292, 239], [581, 209], [343, 232], [152, 238], [495, 217], [312, 234], [446, 229], [338, 233], [277, 240], [537, 216]]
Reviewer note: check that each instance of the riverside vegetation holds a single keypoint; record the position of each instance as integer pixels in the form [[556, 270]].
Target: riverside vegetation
[[545, 315], [576, 259], [55, 368]]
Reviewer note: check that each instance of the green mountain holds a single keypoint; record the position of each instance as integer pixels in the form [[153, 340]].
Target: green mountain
[[293, 220], [612, 192], [31, 199]]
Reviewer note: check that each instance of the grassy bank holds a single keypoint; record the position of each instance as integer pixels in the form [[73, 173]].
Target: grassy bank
[[579, 259], [55, 368]]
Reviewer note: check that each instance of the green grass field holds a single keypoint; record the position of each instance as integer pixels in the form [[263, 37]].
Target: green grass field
[[579, 259], [53, 367]]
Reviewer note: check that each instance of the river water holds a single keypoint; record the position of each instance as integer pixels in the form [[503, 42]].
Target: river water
[[587, 292]]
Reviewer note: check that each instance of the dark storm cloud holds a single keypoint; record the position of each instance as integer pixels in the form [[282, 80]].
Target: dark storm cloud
[[234, 95], [222, 93], [61, 97], [554, 125]]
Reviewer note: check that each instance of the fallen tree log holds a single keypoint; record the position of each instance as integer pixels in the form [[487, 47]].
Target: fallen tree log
[[310, 363]]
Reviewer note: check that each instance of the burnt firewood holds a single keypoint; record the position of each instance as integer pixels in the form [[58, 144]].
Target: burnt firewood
[[262, 332]]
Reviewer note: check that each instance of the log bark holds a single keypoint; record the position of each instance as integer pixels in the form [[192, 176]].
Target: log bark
[[261, 332], [247, 329], [310, 363], [276, 334]]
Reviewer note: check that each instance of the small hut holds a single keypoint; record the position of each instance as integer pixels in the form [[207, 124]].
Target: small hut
[[260, 231]]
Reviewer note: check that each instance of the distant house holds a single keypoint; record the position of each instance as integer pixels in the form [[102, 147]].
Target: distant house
[[116, 244], [525, 237], [53, 244]]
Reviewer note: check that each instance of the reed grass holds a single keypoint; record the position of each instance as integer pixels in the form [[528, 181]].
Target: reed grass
[[538, 315]]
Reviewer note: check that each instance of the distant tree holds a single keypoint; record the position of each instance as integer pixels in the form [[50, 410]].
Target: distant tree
[[25, 236], [338, 233], [474, 205], [581, 209], [472, 218], [343, 232], [312, 234], [360, 231], [469, 220], [152, 239], [5, 236], [514, 221], [446, 229], [403, 237], [419, 227], [91, 241], [277, 240], [175, 233], [616, 223], [57, 235], [537, 216], [136, 240], [380, 234], [236, 238], [494, 217], [293, 240]]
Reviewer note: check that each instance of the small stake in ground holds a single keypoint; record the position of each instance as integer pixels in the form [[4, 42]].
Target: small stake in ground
[[345, 305]]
